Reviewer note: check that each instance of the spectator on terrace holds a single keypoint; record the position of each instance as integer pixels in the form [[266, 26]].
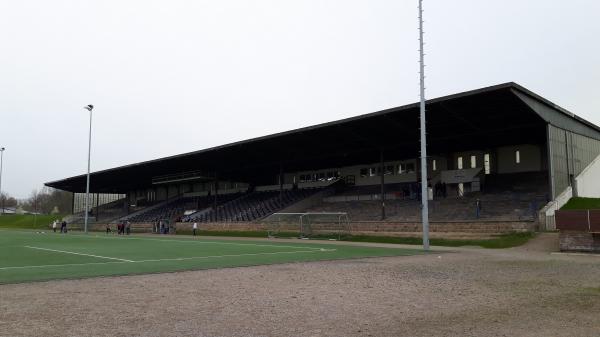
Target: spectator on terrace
[[477, 208]]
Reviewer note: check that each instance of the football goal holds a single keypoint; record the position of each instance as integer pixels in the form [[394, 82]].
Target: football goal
[[307, 225]]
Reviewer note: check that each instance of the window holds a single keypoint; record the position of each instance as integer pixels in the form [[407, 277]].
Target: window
[[389, 170], [410, 167], [372, 172], [473, 161], [401, 168], [321, 176], [486, 163], [517, 157], [364, 172], [433, 165], [459, 163]]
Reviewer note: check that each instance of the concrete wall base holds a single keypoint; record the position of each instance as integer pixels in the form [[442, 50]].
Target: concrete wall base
[[573, 241]]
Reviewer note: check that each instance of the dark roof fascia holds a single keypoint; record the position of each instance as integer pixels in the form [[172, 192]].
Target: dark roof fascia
[[502, 86], [554, 106]]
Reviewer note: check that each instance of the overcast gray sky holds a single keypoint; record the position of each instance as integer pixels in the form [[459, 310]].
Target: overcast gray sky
[[174, 76]]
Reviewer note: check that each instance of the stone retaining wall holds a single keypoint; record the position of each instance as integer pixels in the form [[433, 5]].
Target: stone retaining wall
[[577, 241], [475, 228]]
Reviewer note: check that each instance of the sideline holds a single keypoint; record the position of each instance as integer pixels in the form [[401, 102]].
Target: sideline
[[82, 254], [159, 260]]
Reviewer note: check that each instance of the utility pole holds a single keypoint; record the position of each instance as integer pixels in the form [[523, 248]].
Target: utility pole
[[424, 188]]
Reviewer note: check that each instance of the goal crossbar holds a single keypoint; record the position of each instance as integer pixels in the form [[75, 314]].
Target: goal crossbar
[[308, 224]]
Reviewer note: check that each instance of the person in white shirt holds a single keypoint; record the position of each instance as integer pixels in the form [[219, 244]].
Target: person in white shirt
[[54, 225], [194, 228]]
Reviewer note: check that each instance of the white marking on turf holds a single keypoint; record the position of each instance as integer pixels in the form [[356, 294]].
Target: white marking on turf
[[183, 241], [82, 254], [237, 255], [160, 260]]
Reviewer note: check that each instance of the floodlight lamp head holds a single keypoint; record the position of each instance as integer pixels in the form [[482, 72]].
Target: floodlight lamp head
[[2, 148], [89, 107]]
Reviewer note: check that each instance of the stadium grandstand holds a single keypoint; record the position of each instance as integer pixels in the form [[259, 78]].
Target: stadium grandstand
[[502, 147]]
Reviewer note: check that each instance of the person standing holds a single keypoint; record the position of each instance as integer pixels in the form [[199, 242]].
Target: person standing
[[128, 227], [108, 228], [54, 225], [477, 208], [194, 228], [63, 227]]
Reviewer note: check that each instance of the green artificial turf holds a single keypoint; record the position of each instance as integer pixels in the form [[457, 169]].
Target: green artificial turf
[[43, 255], [582, 203]]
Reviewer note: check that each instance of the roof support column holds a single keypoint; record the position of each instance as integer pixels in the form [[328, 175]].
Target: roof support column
[[280, 185], [382, 172], [216, 199], [97, 206]]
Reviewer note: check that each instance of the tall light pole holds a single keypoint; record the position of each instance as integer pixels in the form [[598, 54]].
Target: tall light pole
[[89, 108], [1, 162], [424, 187]]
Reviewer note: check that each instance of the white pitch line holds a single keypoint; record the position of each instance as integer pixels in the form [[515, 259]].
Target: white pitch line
[[159, 260], [182, 241], [237, 255], [82, 254], [61, 265]]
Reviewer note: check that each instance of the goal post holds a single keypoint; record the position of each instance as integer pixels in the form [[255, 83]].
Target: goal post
[[307, 225]]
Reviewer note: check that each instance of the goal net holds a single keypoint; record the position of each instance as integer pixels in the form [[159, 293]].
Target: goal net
[[307, 225]]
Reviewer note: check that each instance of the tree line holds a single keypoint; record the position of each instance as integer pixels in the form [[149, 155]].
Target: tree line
[[46, 201]]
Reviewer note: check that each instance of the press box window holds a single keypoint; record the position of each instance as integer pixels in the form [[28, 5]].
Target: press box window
[[518, 157], [459, 163], [473, 162], [364, 172]]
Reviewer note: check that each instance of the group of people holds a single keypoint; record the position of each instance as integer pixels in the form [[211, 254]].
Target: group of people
[[123, 228], [63, 226]]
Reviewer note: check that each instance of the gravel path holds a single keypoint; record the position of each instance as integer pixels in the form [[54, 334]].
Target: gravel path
[[469, 292]]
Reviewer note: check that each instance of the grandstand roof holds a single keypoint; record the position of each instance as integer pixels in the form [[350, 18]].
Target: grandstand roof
[[504, 114]]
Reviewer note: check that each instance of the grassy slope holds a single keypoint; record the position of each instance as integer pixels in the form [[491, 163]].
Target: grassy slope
[[28, 221], [582, 203], [501, 241]]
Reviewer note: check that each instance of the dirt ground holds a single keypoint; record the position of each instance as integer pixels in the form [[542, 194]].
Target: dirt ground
[[523, 291]]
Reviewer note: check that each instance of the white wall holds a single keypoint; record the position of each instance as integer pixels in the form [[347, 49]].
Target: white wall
[[531, 159], [588, 181]]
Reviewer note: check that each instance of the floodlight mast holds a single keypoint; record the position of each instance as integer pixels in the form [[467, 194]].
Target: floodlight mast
[[89, 108], [424, 185]]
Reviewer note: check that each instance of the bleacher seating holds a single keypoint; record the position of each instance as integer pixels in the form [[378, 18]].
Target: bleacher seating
[[174, 209], [252, 206], [506, 197]]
